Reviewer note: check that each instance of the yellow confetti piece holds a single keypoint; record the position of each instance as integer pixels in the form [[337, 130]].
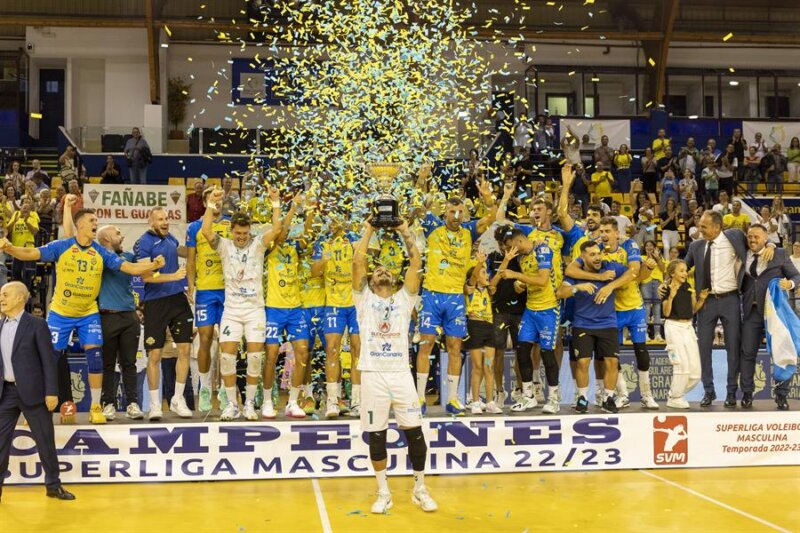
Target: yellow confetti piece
[[166, 29], [727, 37], [731, 69], [36, 115], [651, 61]]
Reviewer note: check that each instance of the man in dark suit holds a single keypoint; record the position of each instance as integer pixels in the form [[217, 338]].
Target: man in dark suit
[[717, 259], [755, 284], [28, 384]]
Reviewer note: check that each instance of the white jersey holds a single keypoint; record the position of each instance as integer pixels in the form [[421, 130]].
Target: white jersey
[[383, 328], [243, 270]]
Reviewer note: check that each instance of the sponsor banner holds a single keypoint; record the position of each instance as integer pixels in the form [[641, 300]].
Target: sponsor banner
[[115, 204], [618, 131], [139, 452], [772, 132]]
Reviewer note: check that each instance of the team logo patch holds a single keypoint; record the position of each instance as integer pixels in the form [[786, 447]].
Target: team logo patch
[[67, 293], [384, 327], [150, 341], [670, 440], [209, 263]]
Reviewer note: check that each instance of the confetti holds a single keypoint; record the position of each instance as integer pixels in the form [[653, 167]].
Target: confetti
[[727, 37]]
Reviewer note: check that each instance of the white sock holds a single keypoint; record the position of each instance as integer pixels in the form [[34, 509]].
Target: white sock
[[552, 392], [155, 399], [419, 480], [333, 391], [355, 395], [644, 382], [308, 390], [599, 384], [205, 380], [294, 392], [250, 392], [622, 386], [383, 485], [608, 393], [527, 389], [95, 393], [230, 392], [179, 388], [452, 388], [537, 375], [422, 381], [583, 391]]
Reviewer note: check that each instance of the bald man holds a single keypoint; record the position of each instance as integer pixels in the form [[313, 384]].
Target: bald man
[[120, 328], [28, 385]]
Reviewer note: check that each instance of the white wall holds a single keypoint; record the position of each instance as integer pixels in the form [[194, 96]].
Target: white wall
[[127, 91], [88, 94]]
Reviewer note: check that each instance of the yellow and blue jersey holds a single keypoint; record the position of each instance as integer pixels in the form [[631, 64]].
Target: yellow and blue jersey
[[207, 262], [338, 275], [628, 296], [559, 241], [79, 272], [313, 288], [540, 298], [479, 305], [392, 254], [283, 283], [449, 254]]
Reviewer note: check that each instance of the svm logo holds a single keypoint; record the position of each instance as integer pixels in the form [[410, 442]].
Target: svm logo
[[670, 440]]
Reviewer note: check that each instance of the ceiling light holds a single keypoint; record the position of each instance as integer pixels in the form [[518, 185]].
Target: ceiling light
[[733, 83]]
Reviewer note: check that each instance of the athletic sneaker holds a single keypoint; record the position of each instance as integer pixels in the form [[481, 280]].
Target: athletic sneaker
[[134, 412], [331, 410], [382, 503], [250, 412], [552, 406], [179, 407], [500, 398], [582, 405], [678, 403], [155, 413], [658, 338], [454, 407], [475, 408], [344, 409], [222, 396], [610, 405], [538, 392], [293, 410], [423, 500], [516, 395], [493, 409], [109, 411], [96, 415], [231, 412], [622, 402], [524, 404], [648, 402], [204, 403], [267, 409], [309, 405]]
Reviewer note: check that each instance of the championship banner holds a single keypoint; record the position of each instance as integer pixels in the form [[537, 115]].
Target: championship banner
[[772, 132], [227, 451], [115, 204], [618, 131]]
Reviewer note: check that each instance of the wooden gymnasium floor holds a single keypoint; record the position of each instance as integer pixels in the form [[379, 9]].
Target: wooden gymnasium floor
[[708, 500]]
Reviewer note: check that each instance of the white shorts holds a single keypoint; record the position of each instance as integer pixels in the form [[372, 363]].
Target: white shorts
[[248, 323], [382, 391]]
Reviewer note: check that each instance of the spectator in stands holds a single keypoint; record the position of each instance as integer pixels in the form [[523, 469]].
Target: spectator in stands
[[736, 219], [688, 190], [539, 135], [38, 182], [669, 221], [137, 151], [622, 164], [636, 200], [36, 168], [712, 148], [711, 180], [111, 173], [68, 164], [644, 230], [74, 188], [693, 227], [669, 188], [571, 147], [793, 160], [580, 187], [766, 219], [522, 135], [623, 222], [14, 177], [230, 202], [775, 165], [9, 202], [728, 164], [21, 230], [524, 171], [602, 182], [752, 170], [781, 219], [45, 207], [760, 145], [689, 157], [603, 153], [58, 214], [739, 146], [649, 287], [660, 144], [667, 163], [649, 172], [724, 206], [194, 203]]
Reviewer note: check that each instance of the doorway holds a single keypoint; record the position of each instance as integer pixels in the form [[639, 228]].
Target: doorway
[[51, 105]]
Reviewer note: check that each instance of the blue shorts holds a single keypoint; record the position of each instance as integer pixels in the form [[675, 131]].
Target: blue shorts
[[290, 320], [338, 318], [208, 307], [636, 322], [90, 332], [445, 311], [314, 317], [540, 327]]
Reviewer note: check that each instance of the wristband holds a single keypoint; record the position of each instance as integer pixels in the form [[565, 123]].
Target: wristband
[[276, 205]]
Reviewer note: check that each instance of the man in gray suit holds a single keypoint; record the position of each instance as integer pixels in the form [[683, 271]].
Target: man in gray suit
[[755, 284], [717, 259]]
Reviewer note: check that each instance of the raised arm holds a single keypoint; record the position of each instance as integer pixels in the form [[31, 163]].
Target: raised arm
[[575, 271], [140, 268], [568, 291], [360, 252], [286, 223], [412, 279], [207, 227], [18, 252], [567, 177], [69, 226], [269, 236], [508, 190], [485, 189]]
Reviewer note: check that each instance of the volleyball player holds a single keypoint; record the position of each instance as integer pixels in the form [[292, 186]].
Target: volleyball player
[[383, 317]]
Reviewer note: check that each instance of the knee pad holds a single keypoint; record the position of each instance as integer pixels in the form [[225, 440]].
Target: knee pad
[[94, 360], [377, 445], [227, 364], [417, 449], [642, 356], [253, 364]]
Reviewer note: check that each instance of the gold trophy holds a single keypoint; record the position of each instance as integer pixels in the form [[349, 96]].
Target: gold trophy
[[385, 209]]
